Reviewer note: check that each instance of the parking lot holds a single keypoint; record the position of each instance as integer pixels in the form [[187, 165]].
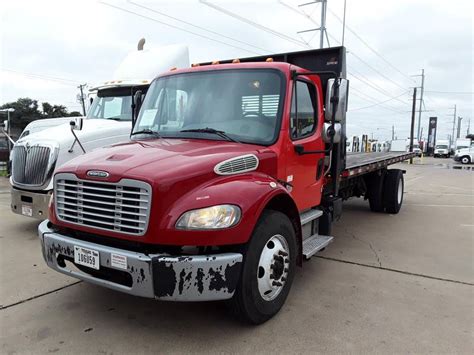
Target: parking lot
[[388, 284]]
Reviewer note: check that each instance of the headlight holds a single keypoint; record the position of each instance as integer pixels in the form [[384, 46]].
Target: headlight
[[215, 217]]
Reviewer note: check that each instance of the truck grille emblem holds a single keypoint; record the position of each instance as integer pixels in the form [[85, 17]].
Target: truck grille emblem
[[98, 173]]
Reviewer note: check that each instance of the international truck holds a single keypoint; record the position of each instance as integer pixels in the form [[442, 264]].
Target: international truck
[[35, 156], [233, 175]]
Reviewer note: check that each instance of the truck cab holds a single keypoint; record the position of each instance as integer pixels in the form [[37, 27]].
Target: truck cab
[[232, 177], [36, 155], [442, 149]]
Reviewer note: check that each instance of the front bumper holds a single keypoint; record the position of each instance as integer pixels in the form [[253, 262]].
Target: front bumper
[[161, 276], [457, 158], [30, 204]]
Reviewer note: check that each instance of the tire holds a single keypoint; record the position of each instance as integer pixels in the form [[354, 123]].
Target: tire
[[375, 192], [465, 159], [273, 230], [393, 191]]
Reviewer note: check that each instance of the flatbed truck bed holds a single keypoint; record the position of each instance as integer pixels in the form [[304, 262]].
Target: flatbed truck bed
[[363, 163]]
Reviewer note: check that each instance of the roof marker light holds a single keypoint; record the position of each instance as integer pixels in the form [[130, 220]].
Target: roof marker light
[[269, 60], [215, 62], [236, 61], [194, 65], [173, 68]]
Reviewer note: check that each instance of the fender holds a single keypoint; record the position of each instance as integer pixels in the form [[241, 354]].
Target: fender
[[251, 192]]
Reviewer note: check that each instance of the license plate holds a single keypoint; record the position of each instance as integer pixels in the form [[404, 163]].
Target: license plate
[[86, 257], [26, 211]]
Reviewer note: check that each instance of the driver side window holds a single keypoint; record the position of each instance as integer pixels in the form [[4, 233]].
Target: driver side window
[[303, 113]]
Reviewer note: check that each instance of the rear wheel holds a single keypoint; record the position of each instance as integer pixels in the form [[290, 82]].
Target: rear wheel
[[393, 191], [268, 270], [465, 160]]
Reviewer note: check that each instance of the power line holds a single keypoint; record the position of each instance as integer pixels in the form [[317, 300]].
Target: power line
[[378, 103], [176, 27], [199, 27], [370, 47], [369, 99], [375, 70], [255, 24], [338, 42], [44, 77], [450, 92], [371, 84]]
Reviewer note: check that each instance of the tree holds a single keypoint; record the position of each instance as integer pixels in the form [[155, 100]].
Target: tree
[[26, 110]]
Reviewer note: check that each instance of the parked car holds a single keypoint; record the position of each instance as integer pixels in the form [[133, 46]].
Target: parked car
[[465, 155]]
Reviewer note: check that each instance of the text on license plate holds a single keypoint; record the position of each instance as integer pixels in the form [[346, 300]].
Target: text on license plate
[[26, 211], [86, 257]]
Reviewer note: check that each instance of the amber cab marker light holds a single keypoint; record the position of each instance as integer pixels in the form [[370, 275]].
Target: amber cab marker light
[[194, 65], [269, 60], [236, 61], [215, 62], [173, 68]]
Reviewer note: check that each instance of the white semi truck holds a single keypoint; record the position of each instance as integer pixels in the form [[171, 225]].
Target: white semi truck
[[109, 120]]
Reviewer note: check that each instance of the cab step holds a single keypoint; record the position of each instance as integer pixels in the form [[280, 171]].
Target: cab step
[[310, 215], [315, 243]]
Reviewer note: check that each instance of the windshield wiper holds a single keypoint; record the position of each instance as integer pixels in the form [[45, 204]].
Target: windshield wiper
[[146, 131], [221, 134]]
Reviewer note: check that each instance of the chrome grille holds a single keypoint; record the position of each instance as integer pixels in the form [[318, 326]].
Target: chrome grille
[[237, 165], [31, 165], [122, 207]]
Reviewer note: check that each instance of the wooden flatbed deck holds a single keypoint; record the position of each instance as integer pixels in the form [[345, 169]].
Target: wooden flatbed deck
[[362, 163]]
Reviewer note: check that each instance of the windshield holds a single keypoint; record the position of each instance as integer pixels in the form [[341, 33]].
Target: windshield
[[441, 147], [245, 104], [114, 104]]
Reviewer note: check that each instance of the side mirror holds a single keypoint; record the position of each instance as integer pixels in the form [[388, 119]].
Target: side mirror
[[340, 95], [76, 123], [136, 105], [328, 131]]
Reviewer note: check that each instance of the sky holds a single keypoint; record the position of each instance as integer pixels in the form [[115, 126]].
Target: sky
[[49, 47]]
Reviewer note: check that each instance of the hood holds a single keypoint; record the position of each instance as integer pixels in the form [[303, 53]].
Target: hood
[[93, 129], [165, 160], [39, 125]]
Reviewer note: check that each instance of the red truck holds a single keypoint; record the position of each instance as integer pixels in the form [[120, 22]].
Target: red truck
[[233, 175]]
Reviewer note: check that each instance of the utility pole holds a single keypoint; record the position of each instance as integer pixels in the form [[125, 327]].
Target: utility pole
[[468, 126], [82, 99], [322, 28], [422, 89], [412, 127], [459, 127], [454, 126], [393, 132]]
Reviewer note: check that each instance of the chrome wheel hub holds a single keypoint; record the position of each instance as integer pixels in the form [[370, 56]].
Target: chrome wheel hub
[[273, 267]]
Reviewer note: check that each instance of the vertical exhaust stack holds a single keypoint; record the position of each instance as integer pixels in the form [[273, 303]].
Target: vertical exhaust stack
[[141, 44]]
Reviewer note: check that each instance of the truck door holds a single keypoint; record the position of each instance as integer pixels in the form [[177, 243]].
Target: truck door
[[305, 172]]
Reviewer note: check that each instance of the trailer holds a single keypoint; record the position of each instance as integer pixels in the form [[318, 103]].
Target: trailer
[[233, 175]]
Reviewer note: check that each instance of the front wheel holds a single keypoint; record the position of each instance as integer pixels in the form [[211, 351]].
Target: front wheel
[[465, 160], [268, 270]]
